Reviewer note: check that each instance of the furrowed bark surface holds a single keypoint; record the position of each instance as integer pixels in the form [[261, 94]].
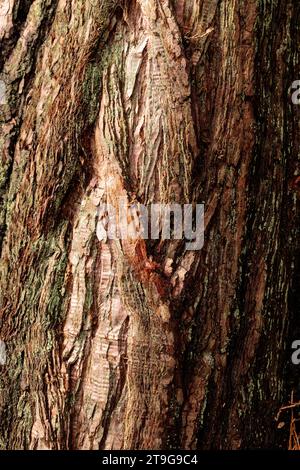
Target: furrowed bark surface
[[136, 344]]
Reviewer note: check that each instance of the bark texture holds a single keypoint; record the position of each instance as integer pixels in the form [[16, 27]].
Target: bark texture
[[136, 344]]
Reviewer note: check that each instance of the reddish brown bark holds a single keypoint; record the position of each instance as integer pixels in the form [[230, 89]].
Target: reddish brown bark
[[142, 344]]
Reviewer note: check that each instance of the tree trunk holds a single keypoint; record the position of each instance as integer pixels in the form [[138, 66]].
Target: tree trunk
[[136, 344]]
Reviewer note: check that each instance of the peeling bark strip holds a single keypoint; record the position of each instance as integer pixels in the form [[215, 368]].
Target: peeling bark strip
[[140, 344]]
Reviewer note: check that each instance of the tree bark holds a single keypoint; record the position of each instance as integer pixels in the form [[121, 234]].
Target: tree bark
[[139, 344]]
